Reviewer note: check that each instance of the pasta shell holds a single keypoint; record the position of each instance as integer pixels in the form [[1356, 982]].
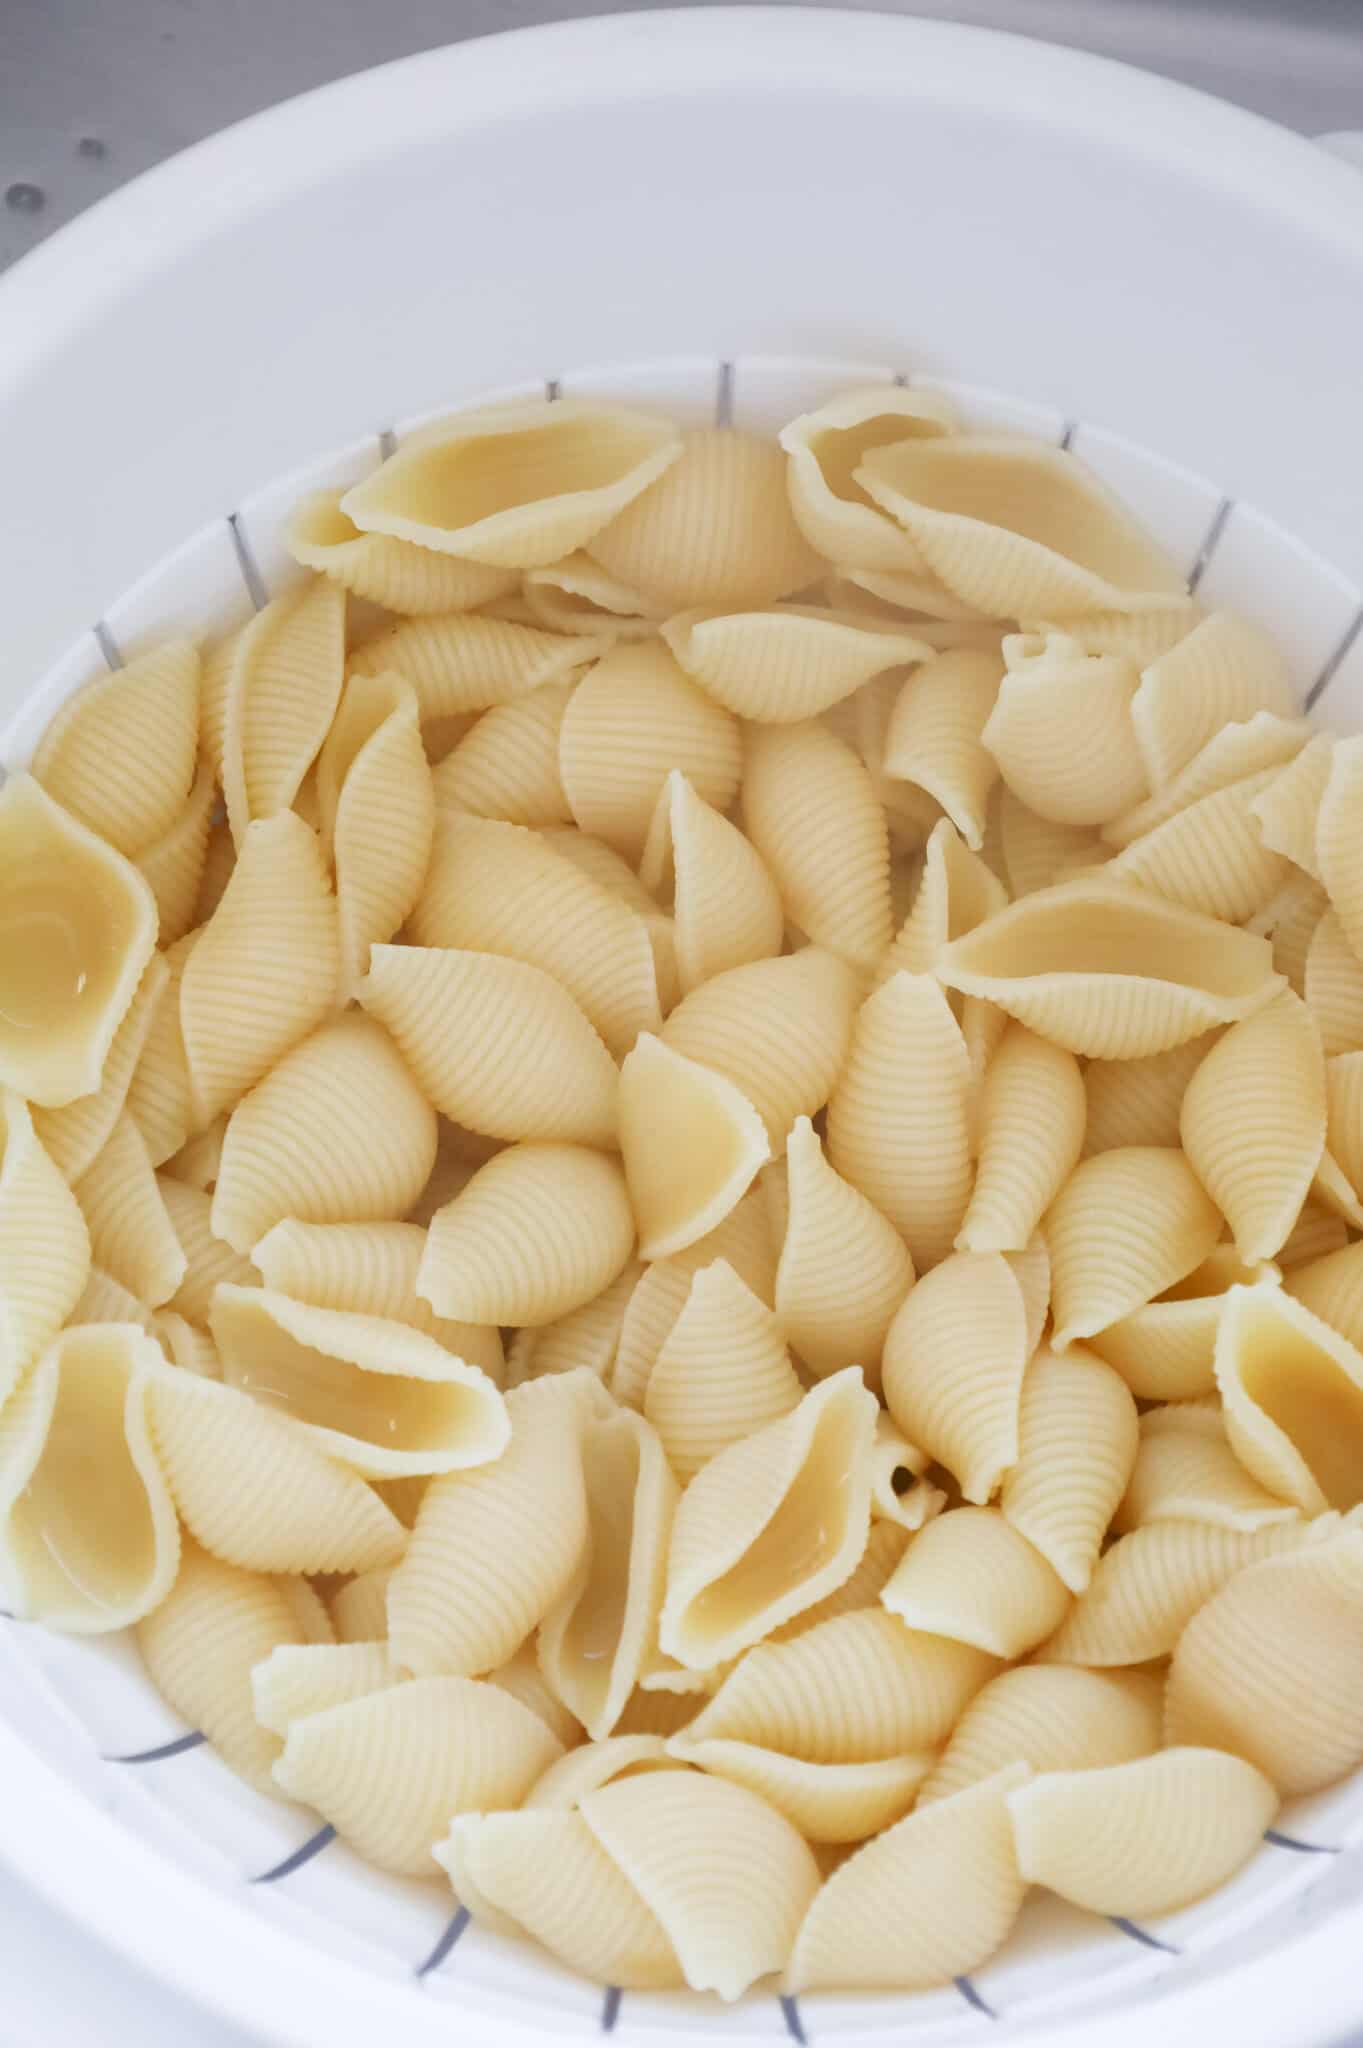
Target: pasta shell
[[159, 1097], [507, 766], [297, 1679], [885, 1544], [826, 1802], [1051, 1717], [956, 893], [789, 663], [44, 1243], [495, 888], [282, 693], [1165, 1350], [593, 1641], [1339, 839], [742, 1238], [1143, 1837], [770, 1525], [131, 1233], [1287, 808], [103, 1300], [723, 1372], [692, 1144], [1032, 1115], [934, 737], [1052, 686], [1141, 636], [394, 573], [726, 907], [1126, 1225], [1208, 857], [603, 865], [516, 485], [954, 1363], [899, 1492], [207, 1259], [1317, 1231], [522, 1678], [174, 864], [1035, 852], [359, 1612], [1272, 1667], [1222, 672], [119, 754], [460, 662], [812, 812], [827, 447], [970, 1576], [495, 1548], [635, 717], [577, 595], [539, 1230], [943, 620], [74, 1135], [1230, 755], [1105, 969], [263, 972], [186, 1345], [77, 929], [924, 1903], [1016, 528], [844, 1269], [1137, 1102], [899, 1114], [1333, 987], [82, 1557], [1186, 1471], [586, 1337], [1292, 1391], [1332, 1289], [1077, 1442]]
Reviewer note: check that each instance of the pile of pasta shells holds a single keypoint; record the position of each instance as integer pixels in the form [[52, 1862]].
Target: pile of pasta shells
[[680, 1171]]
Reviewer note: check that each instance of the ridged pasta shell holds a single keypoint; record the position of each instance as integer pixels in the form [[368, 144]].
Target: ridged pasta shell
[[789, 663], [461, 662], [899, 1492], [726, 907], [844, 1270], [1339, 839], [1165, 1351], [1332, 1288], [885, 1544], [899, 1114], [82, 1557], [1287, 809], [105, 1300], [495, 888], [1333, 987], [359, 1611], [1208, 857], [131, 1233], [586, 1337], [1033, 852], [336, 1133], [953, 1369], [943, 620], [925, 1902], [1141, 636], [522, 1678], [577, 595], [826, 1802], [825, 450], [77, 929], [282, 692], [934, 737], [1222, 672], [1016, 528], [612, 872], [742, 1238], [723, 1372], [1126, 1225], [1106, 969], [1137, 1102], [812, 812], [207, 1259], [692, 1144], [1143, 1837], [1077, 1443], [494, 1548], [507, 766], [159, 1096], [1052, 1717], [970, 1576], [1230, 755], [174, 864], [1271, 1668], [1316, 1233], [515, 485], [1051, 687], [1032, 1113], [186, 1345], [74, 1135], [1186, 1471], [956, 893], [298, 1679], [44, 1243], [1292, 1391], [119, 754], [394, 573]]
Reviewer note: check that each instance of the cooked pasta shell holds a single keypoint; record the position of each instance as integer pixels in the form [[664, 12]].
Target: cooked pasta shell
[[394, 573], [88, 1536], [812, 812], [1332, 1288], [1077, 1442], [934, 737], [726, 907], [1287, 809], [77, 929], [1344, 1100], [789, 663], [970, 1576], [1222, 672], [1017, 528], [885, 1544], [954, 1362], [104, 1300], [1033, 852], [1186, 1471], [743, 1238], [1142, 1837], [539, 1230], [826, 1802], [593, 1641], [74, 1135], [844, 1269], [119, 754], [1137, 1102], [612, 872], [657, 1713], [462, 662], [1272, 1667], [256, 1490], [588, 1336], [159, 1097], [723, 1372], [174, 865], [943, 620], [1141, 636], [1292, 1392], [1165, 1350], [131, 1233], [635, 717], [1053, 687], [692, 1144], [956, 892], [44, 1243], [522, 1678], [1316, 1232], [577, 595], [899, 1114], [207, 1259], [1052, 1717], [515, 485], [496, 1547], [359, 1612], [1208, 857], [1333, 987], [186, 1345], [925, 1902], [282, 692], [297, 1679], [1339, 839], [507, 766], [496, 888], [263, 972], [899, 1492], [1232, 753], [1126, 1225], [770, 1525], [1104, 968], [1032, 1113], [825, 450]]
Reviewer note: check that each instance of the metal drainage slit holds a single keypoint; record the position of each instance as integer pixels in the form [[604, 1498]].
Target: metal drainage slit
[[724, 396], [108, 646], [1209, 544], [179, 1747], [1335, 663], [446, 1943], [312, 1847], [247, 563]]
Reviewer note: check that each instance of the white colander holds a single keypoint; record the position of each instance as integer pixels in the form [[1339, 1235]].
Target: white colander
[[723, 214]]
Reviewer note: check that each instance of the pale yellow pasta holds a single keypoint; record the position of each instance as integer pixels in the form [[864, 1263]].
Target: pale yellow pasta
[[515, 485], [1286, 809], [263, 971], [612, 872], [207, 1259], [359, 1612], [394, 573], [743, 1238], [1077, 1443], [507, 766], [885, 1545], [119, 755], [656, 1713], [215, 675], [1053, 1717], [1186, 1471], [1165, 1350], [862, 722], [726, 907], [1032, 1114], [186, 1345], [1232, 754], [1208, 857], [1061, 733], [789, 663], [928, 1900], [1289, 921], [593, 1641], [465, 662], [1222, 672], [497, 888], [1030, 852], [953, 1368], [88, 1536], [1317, 1232], [73, 1135], [1126, 1225], [219, 859], [522, 1678], [957, 892], [944, 620], [308, 1609], [174, 865], [1104, 968], [1271, 1667], [1331, 1286], [1137, 1102], [282, 692], [826, 1802], [843, 1271], [297, 1679], [77, 929], [131, 1234], [934, 737], [770, 1525], [811, 811], [899, 1114], [899, 1492], [588, 1336], [494, 1548], [1143, 1837], [577, 595], [105, 1300], [44, 1243], [1292, 1393], [1141, 636], [723, 1371], [825, 450], [1333, 986], [970, 1576], [1339, 839], [692, 1145]]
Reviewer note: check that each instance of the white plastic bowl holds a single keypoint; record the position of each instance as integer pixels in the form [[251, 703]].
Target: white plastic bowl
[[733, 212]]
